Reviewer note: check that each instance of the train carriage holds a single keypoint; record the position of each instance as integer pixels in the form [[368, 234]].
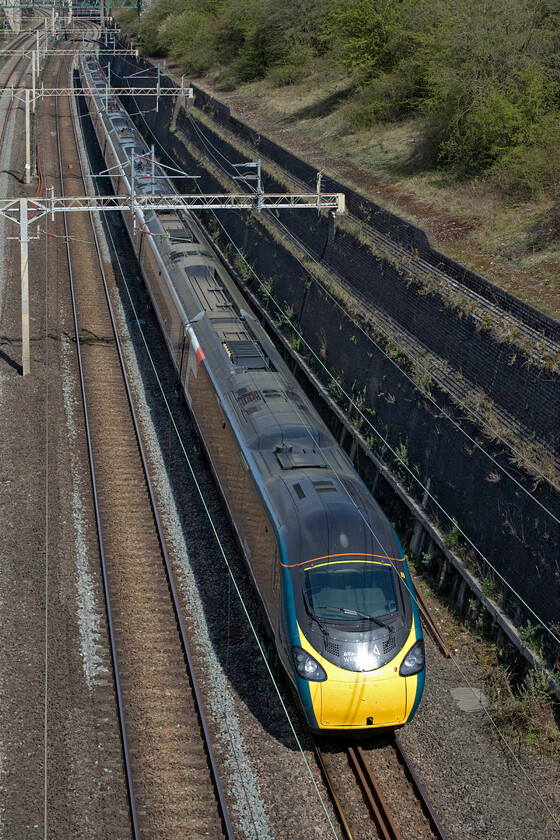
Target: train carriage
[[326, 563]]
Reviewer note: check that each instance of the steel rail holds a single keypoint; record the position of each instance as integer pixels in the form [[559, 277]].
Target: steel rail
[[13, 105], [419, 790], [120, 703], [372, 794], [173, 591], [328, 779], [430, 623]]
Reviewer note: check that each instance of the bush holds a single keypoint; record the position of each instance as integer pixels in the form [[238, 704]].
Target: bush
[[364, 34], [387, 98], [483, 76], [129, 22], [252, 60], [183, 36], [152, 22], [293, 68], [532, 167]]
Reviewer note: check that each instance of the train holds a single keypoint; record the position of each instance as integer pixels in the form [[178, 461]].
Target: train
[[326, 564]]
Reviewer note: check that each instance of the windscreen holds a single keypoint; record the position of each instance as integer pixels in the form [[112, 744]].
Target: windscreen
[[364, 586]]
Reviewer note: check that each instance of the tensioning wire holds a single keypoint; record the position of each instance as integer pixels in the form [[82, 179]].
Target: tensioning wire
[[376, 431], [218, 540], [215, 533], [239, 594], [416, 362]]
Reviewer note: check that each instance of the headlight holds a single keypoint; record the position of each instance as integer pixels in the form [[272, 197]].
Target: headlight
[[307, 667], [414, 660]]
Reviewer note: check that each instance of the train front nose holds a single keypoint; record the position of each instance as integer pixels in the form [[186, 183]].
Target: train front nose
[[363, 701]]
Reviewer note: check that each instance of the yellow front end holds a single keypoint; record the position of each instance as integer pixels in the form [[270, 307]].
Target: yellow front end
[[366, 699]]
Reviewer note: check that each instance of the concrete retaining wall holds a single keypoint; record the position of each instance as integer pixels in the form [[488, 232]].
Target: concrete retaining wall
[[510, 527]]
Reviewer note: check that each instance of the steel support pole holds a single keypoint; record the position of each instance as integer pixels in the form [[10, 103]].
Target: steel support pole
[[158, 88], [24, 273]]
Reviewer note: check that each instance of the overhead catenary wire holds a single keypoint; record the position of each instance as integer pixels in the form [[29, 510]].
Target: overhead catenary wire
[[222, 550], [384, 441], [380, 436], [214, 528], [414, 360]]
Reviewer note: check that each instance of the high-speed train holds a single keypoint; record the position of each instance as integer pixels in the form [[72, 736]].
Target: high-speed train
[[326, 563]]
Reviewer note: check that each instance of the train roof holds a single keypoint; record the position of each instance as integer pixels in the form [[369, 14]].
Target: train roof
[[332, 529], [320, 504]]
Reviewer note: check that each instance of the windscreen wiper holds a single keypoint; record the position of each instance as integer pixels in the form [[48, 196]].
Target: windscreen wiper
[[312, 615], [360, 615]]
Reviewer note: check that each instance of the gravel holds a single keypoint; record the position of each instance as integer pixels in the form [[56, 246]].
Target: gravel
[[473, 780]]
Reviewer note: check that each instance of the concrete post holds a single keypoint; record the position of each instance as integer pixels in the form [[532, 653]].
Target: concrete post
[[24, 273], [27, 139], [33, 77]]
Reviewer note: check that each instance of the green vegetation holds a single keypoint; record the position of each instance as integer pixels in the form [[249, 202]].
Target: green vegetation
[[526, 711], [451, 539], [481, 78], [530, 635]]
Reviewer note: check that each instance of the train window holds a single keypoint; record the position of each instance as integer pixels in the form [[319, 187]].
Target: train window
[[340, 590]]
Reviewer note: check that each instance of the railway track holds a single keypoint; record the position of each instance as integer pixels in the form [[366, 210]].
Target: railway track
[[363, 809], [365, 806], [13, 70], [368, 807], [172, 780]]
